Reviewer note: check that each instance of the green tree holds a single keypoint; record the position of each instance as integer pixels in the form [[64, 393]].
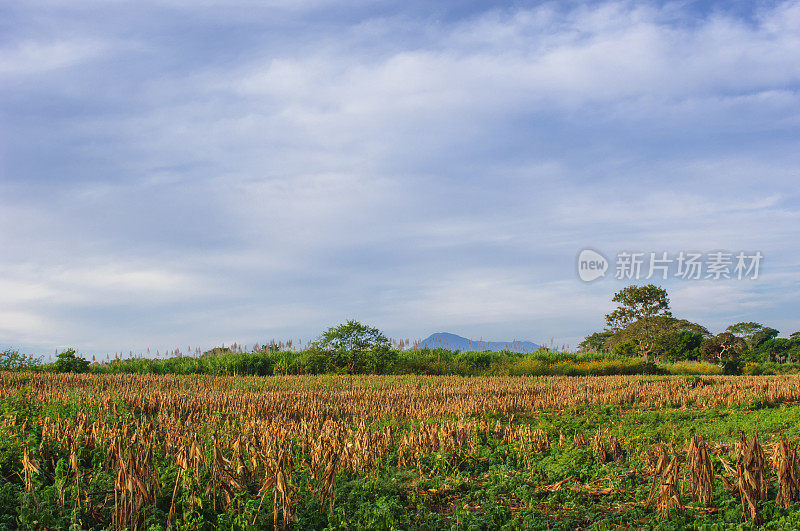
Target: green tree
[[641, 316], [752, 333], [636, 303], [626, 350], [654, 336], [12, 360], [724, 349], [595, 342], [315, 360], [67, 361], [680, 345], [764, 335], [777, 349], [357, 348]]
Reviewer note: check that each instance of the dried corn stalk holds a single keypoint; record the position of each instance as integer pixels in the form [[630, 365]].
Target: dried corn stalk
[[599, 447], [701, 470], [665, 492], [750, 468], [787, 466]]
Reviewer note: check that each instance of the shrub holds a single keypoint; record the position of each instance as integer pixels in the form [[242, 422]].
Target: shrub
[[426, 361], [68, 362], [568, 367], [12, 360], [693, 367], [357, 348], [752, 369]]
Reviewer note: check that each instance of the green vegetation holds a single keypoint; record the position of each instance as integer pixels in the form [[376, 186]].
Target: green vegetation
[[69, 444], [12, 360], [642, 337], [133, 444], [643, 325], [424, 361], [68, 361]]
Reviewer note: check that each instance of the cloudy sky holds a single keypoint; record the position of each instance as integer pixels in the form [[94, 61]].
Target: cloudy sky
[[197, 172]]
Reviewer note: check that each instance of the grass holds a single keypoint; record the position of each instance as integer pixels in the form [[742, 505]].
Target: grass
[[493, 483], [692, 368], [424, 361]]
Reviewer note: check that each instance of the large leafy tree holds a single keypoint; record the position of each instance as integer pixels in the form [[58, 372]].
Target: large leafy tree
[[656, 336], [777, 349], [680, 345], [12, 360], [636, 303], [641, 315], [595, 342], [356, 347], [753, 334], [68, 361], [724, 349]]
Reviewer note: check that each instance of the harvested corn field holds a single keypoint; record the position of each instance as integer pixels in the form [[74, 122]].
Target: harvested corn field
[[149, 452]]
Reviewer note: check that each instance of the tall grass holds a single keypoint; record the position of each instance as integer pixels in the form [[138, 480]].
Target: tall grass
[[244, 363], [771, 368], [595, 367], [424, 361], [692, 368]]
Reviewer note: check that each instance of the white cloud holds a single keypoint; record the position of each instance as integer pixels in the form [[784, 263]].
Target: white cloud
[[446, 175], [24, 327], [36, 57], [579, 57]]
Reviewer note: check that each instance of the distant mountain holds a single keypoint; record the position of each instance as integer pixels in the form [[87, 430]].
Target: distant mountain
[[454, 342]]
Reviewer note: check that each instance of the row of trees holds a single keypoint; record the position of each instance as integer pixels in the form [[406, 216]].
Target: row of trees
[[350, 348], [67, 361], [643, 325]]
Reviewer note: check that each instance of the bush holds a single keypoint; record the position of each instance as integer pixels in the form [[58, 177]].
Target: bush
[[356, 348], [12, 360], [68, 362], [384, 360], [693, 367], [771, 368], [731, 367], [567, 367], [752, 369]]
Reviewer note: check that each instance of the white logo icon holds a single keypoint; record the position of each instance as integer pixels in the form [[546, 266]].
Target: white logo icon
[[591, 265]]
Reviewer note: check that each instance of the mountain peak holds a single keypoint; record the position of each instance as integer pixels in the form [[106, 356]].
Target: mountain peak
[[455, 342]]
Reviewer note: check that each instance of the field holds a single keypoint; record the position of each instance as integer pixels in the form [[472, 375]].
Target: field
[[404, 452]]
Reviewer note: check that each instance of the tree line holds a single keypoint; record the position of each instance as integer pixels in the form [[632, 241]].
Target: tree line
[[641, 336], [643, 325]]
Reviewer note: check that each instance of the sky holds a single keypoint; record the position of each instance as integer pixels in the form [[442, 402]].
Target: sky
[[193, 173]]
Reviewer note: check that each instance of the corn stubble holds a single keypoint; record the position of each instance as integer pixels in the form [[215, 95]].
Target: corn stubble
[[787, 466], [261, 431], [751, 473], [701, 470]]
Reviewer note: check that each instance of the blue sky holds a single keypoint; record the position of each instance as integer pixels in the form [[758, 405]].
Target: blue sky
[[192, 173]]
